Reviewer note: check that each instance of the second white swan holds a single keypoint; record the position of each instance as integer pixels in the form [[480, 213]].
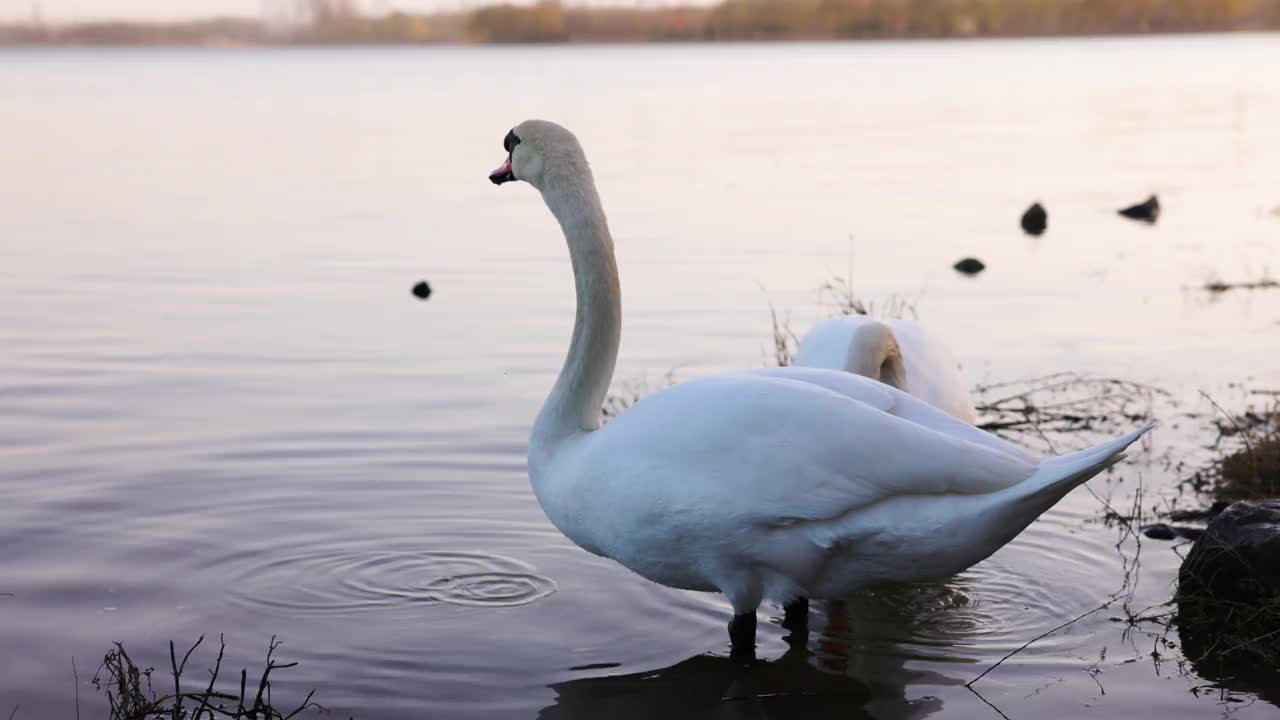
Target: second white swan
[[895, 352], [781, 484]]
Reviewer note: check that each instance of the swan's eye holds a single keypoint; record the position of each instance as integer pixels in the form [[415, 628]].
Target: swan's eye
[[510, 142]]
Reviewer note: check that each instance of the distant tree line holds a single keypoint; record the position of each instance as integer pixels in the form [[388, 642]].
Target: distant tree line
[[762, 19], [339, 22]]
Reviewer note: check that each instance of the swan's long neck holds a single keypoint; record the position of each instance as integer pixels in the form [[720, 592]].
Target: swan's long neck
[[574, 405], [874, 353]]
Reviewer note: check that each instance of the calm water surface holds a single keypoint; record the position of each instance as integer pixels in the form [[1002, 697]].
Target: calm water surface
[[222, 412]]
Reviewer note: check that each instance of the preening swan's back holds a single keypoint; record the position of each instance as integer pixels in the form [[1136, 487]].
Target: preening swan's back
[[826, 345], [933, 373], [885, 350]]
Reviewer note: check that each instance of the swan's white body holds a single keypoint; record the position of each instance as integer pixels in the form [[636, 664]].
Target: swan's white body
[[896, 352], [773, 483], [845, 482]]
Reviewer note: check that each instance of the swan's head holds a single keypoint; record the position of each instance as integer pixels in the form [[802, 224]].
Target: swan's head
[[542, 154]]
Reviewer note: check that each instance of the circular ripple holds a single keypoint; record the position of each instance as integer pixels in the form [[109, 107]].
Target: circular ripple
[[491, 589], [1034, 584], [340, 582]]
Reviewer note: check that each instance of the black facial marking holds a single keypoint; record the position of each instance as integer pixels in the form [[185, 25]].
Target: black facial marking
[[509, 144]]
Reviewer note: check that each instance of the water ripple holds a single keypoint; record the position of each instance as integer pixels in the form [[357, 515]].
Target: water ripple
[[340, 582], [982, 613]]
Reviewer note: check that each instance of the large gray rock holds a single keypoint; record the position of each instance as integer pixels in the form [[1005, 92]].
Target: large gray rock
[[1238, 557], [1229, 600]]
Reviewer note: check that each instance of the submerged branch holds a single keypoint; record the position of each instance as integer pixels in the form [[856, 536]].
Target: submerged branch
[[1043, 635], [1065, 402]]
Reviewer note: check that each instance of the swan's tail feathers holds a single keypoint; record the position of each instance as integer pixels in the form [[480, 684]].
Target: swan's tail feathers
[[1056, 476]]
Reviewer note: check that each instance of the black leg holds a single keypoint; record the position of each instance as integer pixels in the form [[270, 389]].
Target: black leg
[[742, 635], [795, 614]]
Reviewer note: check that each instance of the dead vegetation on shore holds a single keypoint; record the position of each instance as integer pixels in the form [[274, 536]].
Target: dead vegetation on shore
[[132, 696], [1035, 409], [1247, 465]]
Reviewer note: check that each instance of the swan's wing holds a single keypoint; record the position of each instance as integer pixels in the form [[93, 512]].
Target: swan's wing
[[899, 404], [781, 446]]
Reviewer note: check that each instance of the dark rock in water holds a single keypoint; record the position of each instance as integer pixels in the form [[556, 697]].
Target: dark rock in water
[[1160, 531], [1035, 220], [1229, 600], [1238, 557], [422, 290], [969, 266], [1147, 211]]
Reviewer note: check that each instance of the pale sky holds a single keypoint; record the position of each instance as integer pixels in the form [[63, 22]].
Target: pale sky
[[59, 10]]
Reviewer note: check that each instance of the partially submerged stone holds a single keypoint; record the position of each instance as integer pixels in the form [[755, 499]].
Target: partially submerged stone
[[1161, 531], [1238, 557], [1035, 219], [969, 266], [1147, 211], [1229, 599]]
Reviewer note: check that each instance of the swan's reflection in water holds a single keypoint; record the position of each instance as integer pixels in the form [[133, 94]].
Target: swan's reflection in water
[[871, 638], [709, 686], [853, 663]]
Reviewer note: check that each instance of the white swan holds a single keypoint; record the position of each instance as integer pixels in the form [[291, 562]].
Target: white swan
[[895, 352], [784, 483]]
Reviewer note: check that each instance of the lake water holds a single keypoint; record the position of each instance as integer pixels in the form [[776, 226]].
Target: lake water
[[221, 410]]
